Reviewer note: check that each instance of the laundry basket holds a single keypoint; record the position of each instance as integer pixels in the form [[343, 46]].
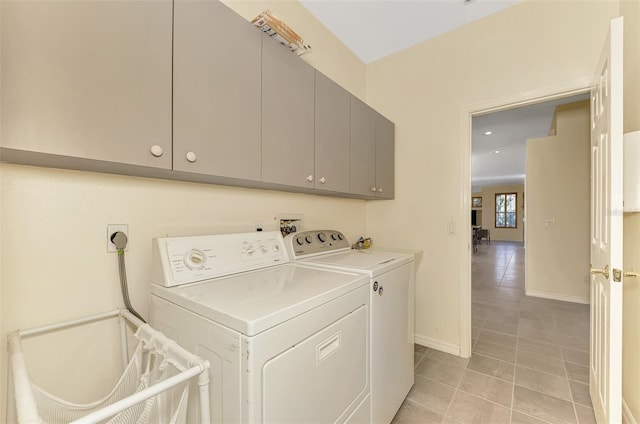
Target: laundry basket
[[153, 388]]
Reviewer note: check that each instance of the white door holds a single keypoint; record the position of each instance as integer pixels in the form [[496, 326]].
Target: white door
[[605, 370]]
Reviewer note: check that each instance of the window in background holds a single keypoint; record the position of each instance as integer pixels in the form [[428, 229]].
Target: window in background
[[506, 210]]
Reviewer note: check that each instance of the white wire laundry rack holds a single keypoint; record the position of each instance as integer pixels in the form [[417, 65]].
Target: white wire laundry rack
[[189, 365]]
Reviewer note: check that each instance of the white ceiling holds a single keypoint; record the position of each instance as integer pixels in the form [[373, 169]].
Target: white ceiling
[[373, 29]]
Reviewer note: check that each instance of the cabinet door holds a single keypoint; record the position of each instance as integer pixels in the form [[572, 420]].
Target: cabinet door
[[88, 79], [287, 117], [331, 135], [216, 91], [385, 145], [363, 148]]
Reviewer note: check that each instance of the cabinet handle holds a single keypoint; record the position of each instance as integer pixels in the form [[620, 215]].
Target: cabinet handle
[[323, 180], [310, 178], [372, 189], [191, 157], [379, 190], [156, 151]]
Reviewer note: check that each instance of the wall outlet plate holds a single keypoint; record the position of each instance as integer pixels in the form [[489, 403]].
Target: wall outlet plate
[[114, 228]]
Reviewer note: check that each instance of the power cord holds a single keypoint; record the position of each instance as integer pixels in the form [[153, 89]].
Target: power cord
[[119, 239]]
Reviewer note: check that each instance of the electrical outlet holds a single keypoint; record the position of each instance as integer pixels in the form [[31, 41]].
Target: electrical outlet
[[257, 225], [114, 228]]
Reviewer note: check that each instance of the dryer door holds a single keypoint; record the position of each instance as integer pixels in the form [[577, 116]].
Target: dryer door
[[318, 379]]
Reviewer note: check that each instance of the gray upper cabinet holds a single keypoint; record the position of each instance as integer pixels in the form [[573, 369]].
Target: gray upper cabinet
[[331, 135], [216, 91], [372, 152], [363, 149], [385, 144], [287, 117], [180, 89], [88, 80]]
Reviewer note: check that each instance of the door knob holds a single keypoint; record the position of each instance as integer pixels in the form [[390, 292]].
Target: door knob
[[604, 271]]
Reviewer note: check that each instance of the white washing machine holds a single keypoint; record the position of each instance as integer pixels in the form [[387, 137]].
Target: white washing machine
[[392, 280], [287, 343]]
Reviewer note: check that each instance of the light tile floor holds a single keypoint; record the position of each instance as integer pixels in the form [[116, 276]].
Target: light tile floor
[[529, 360]]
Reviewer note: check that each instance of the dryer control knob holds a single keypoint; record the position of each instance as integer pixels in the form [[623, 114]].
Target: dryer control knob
[[322, 237], [300, 240], [308, 239]]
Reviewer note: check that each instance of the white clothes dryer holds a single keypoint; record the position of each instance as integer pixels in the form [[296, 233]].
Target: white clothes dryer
[[391, 280], [287, 343]]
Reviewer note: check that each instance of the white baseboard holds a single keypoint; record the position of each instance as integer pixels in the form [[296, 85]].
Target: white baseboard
[[627, 416], [437, 344], [557, 296]]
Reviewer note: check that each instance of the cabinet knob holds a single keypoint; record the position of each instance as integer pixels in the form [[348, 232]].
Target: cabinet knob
[[379, 190], [191, 157], [372, 189], [323, 180], [310, 178], [156, 150]]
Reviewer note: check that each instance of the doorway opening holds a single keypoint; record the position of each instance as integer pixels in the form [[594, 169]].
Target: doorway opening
[[491, 124], [522, 336]]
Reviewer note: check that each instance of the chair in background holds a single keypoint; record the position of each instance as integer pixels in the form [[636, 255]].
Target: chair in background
[[474, 238], [483, 234]]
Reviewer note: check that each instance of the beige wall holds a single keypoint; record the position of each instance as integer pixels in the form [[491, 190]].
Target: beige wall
[[630, 9], [53, 244], [488, 195], [530, 49], [558, 202]]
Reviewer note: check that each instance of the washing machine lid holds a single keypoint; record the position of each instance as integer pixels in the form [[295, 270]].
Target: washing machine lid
[[373, 263], [255, 301]]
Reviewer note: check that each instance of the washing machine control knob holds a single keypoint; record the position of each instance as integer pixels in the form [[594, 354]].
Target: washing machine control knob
[[322, 237], [195, 259], [300, 240], [308, 239]]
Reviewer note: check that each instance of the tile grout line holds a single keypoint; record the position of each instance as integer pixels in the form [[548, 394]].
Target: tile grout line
[[457, 388], [515, 376], [573, 402]]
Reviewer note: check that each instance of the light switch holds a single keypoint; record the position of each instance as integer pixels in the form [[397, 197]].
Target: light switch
[[451, 226]]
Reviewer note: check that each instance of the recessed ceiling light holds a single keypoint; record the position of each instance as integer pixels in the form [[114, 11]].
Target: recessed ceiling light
[[488, 132], [495, 152]]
